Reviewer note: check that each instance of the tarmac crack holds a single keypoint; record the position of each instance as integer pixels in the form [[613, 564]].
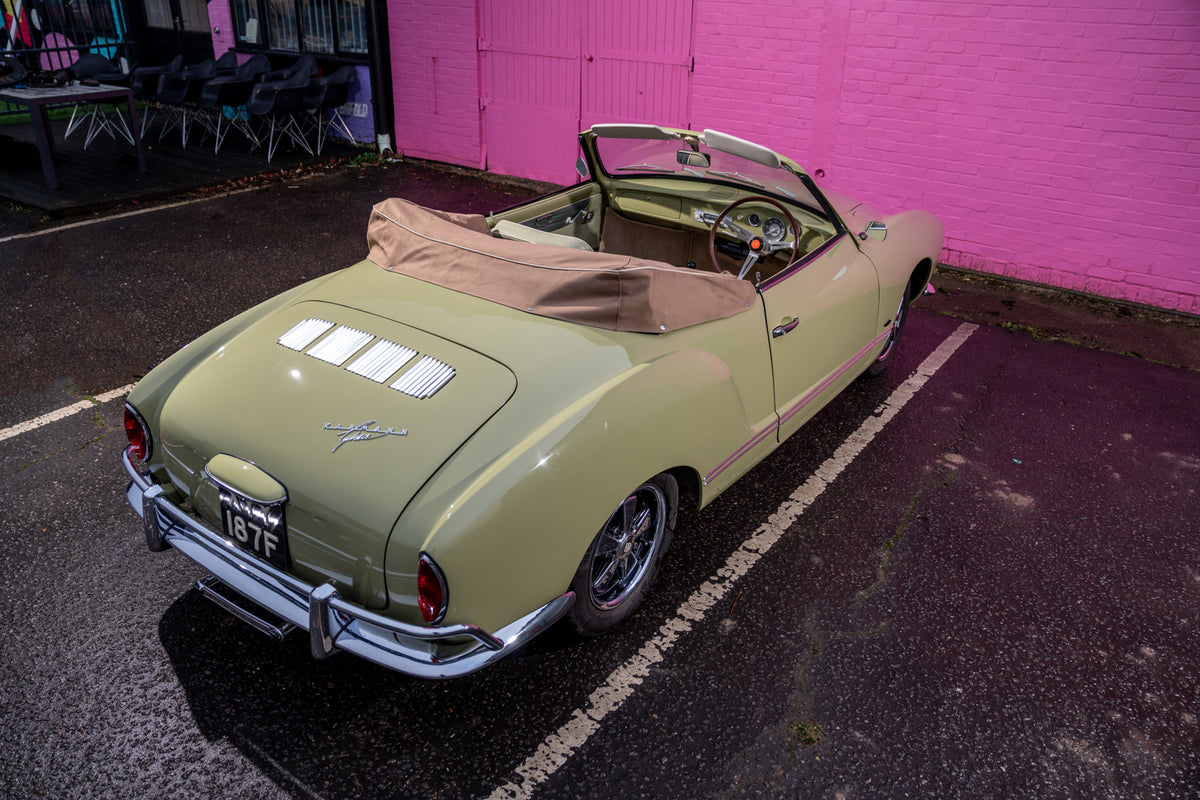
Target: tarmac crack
[[943, 475], [23, 467], [105, 431], [778, 749], [889, 545]]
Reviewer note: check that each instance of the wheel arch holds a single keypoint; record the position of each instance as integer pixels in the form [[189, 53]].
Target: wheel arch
[[908, 253], [573, 473], [921, 275]]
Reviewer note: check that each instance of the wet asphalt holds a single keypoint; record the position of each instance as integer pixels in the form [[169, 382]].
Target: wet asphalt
[[999, 598]]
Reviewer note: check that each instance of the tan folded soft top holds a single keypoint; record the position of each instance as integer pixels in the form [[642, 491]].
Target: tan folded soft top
[[603, 290]]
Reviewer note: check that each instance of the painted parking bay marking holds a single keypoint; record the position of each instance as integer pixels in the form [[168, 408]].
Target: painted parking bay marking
[[559, 746], [62, 413]]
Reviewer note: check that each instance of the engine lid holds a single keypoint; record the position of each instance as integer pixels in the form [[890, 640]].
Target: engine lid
[[351, 412]]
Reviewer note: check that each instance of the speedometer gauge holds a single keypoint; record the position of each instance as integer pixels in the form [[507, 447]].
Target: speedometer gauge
[[774, 229]]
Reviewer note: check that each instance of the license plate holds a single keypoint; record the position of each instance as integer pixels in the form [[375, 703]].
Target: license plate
[[257, 527]]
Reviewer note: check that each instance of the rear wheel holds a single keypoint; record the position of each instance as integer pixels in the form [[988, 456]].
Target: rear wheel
[[623, 559], [880, 364]]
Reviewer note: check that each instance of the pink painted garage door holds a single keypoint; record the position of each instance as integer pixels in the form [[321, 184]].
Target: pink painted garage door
[[552, 68]]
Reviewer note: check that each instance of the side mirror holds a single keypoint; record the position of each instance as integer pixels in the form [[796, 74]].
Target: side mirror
[[875, 230], [690, 158], [581, 167]]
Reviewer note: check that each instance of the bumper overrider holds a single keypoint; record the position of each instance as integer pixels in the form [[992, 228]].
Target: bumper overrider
[[332, 622]]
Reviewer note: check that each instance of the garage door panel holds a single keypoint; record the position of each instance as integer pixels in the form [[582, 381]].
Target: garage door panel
[[529, 51], [551, 69], [627, 91]]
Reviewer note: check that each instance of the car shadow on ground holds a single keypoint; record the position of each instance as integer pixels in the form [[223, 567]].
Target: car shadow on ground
[[346, 727]]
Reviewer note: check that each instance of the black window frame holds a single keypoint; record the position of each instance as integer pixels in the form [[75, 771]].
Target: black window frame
[[326, 29]]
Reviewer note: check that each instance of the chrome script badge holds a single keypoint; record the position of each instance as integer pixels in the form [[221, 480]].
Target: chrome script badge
[[360, 433]]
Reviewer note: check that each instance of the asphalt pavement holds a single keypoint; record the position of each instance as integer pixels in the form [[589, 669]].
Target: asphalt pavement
[[998, 595]]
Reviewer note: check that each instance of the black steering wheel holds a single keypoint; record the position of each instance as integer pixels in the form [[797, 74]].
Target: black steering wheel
[[759, 246]]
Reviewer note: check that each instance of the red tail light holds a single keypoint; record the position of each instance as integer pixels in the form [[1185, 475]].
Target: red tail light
[[138, 434], [432, 594]]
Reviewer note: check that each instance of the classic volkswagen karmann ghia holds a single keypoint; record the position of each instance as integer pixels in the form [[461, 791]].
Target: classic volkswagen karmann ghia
[[488, 425]]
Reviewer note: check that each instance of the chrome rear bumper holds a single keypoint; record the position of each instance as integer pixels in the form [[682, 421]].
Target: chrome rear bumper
[[332, 622]]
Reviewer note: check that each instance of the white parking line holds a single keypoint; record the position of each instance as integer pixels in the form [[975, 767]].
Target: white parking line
[[62, 413], [137, 213], [559, 746]]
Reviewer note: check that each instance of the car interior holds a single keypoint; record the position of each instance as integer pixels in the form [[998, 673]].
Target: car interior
[[671, 222]]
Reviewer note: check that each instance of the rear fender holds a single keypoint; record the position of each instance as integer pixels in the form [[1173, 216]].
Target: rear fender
[[510, 538], [151, 392]]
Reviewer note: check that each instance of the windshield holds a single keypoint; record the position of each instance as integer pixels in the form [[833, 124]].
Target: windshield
[[628, 157]]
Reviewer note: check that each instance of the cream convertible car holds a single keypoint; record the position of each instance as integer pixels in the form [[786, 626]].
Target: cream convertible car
[[430, 457]]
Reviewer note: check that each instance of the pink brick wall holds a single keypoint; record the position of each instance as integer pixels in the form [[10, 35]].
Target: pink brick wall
[[435, 70], [220, 19], [1057, 139]]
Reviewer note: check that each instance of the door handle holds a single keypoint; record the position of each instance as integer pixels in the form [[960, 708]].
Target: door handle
[[784, 327]]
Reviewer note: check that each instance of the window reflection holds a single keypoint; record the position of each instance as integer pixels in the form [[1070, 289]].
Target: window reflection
[[325, 27], [194, 14], [317, 18], [352, 25], [245, 19], [281, 22]]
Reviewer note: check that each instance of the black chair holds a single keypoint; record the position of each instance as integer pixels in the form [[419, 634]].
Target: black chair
[[227, 64], [323, 96], [278, 104], [93, 66], [306, 64], [144, 80], [222, 100], [97, 68], [178, 93], [144, 83]]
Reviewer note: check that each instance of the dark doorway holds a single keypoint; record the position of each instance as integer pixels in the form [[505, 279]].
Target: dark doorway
[[173, 27]]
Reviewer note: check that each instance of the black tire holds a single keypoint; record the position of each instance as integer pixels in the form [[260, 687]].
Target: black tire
[[880, 363], [623, 560]]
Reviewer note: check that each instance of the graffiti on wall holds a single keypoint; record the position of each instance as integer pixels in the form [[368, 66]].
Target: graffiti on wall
[[52, 34]]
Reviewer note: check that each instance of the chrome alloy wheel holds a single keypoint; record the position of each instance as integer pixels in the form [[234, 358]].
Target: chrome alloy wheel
[[627, 547], [881, 361], [897, 326]]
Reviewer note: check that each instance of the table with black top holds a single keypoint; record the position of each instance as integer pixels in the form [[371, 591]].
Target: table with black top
[[38, 99]]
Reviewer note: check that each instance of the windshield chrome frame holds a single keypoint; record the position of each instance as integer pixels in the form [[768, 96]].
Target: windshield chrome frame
[[756, 175]]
